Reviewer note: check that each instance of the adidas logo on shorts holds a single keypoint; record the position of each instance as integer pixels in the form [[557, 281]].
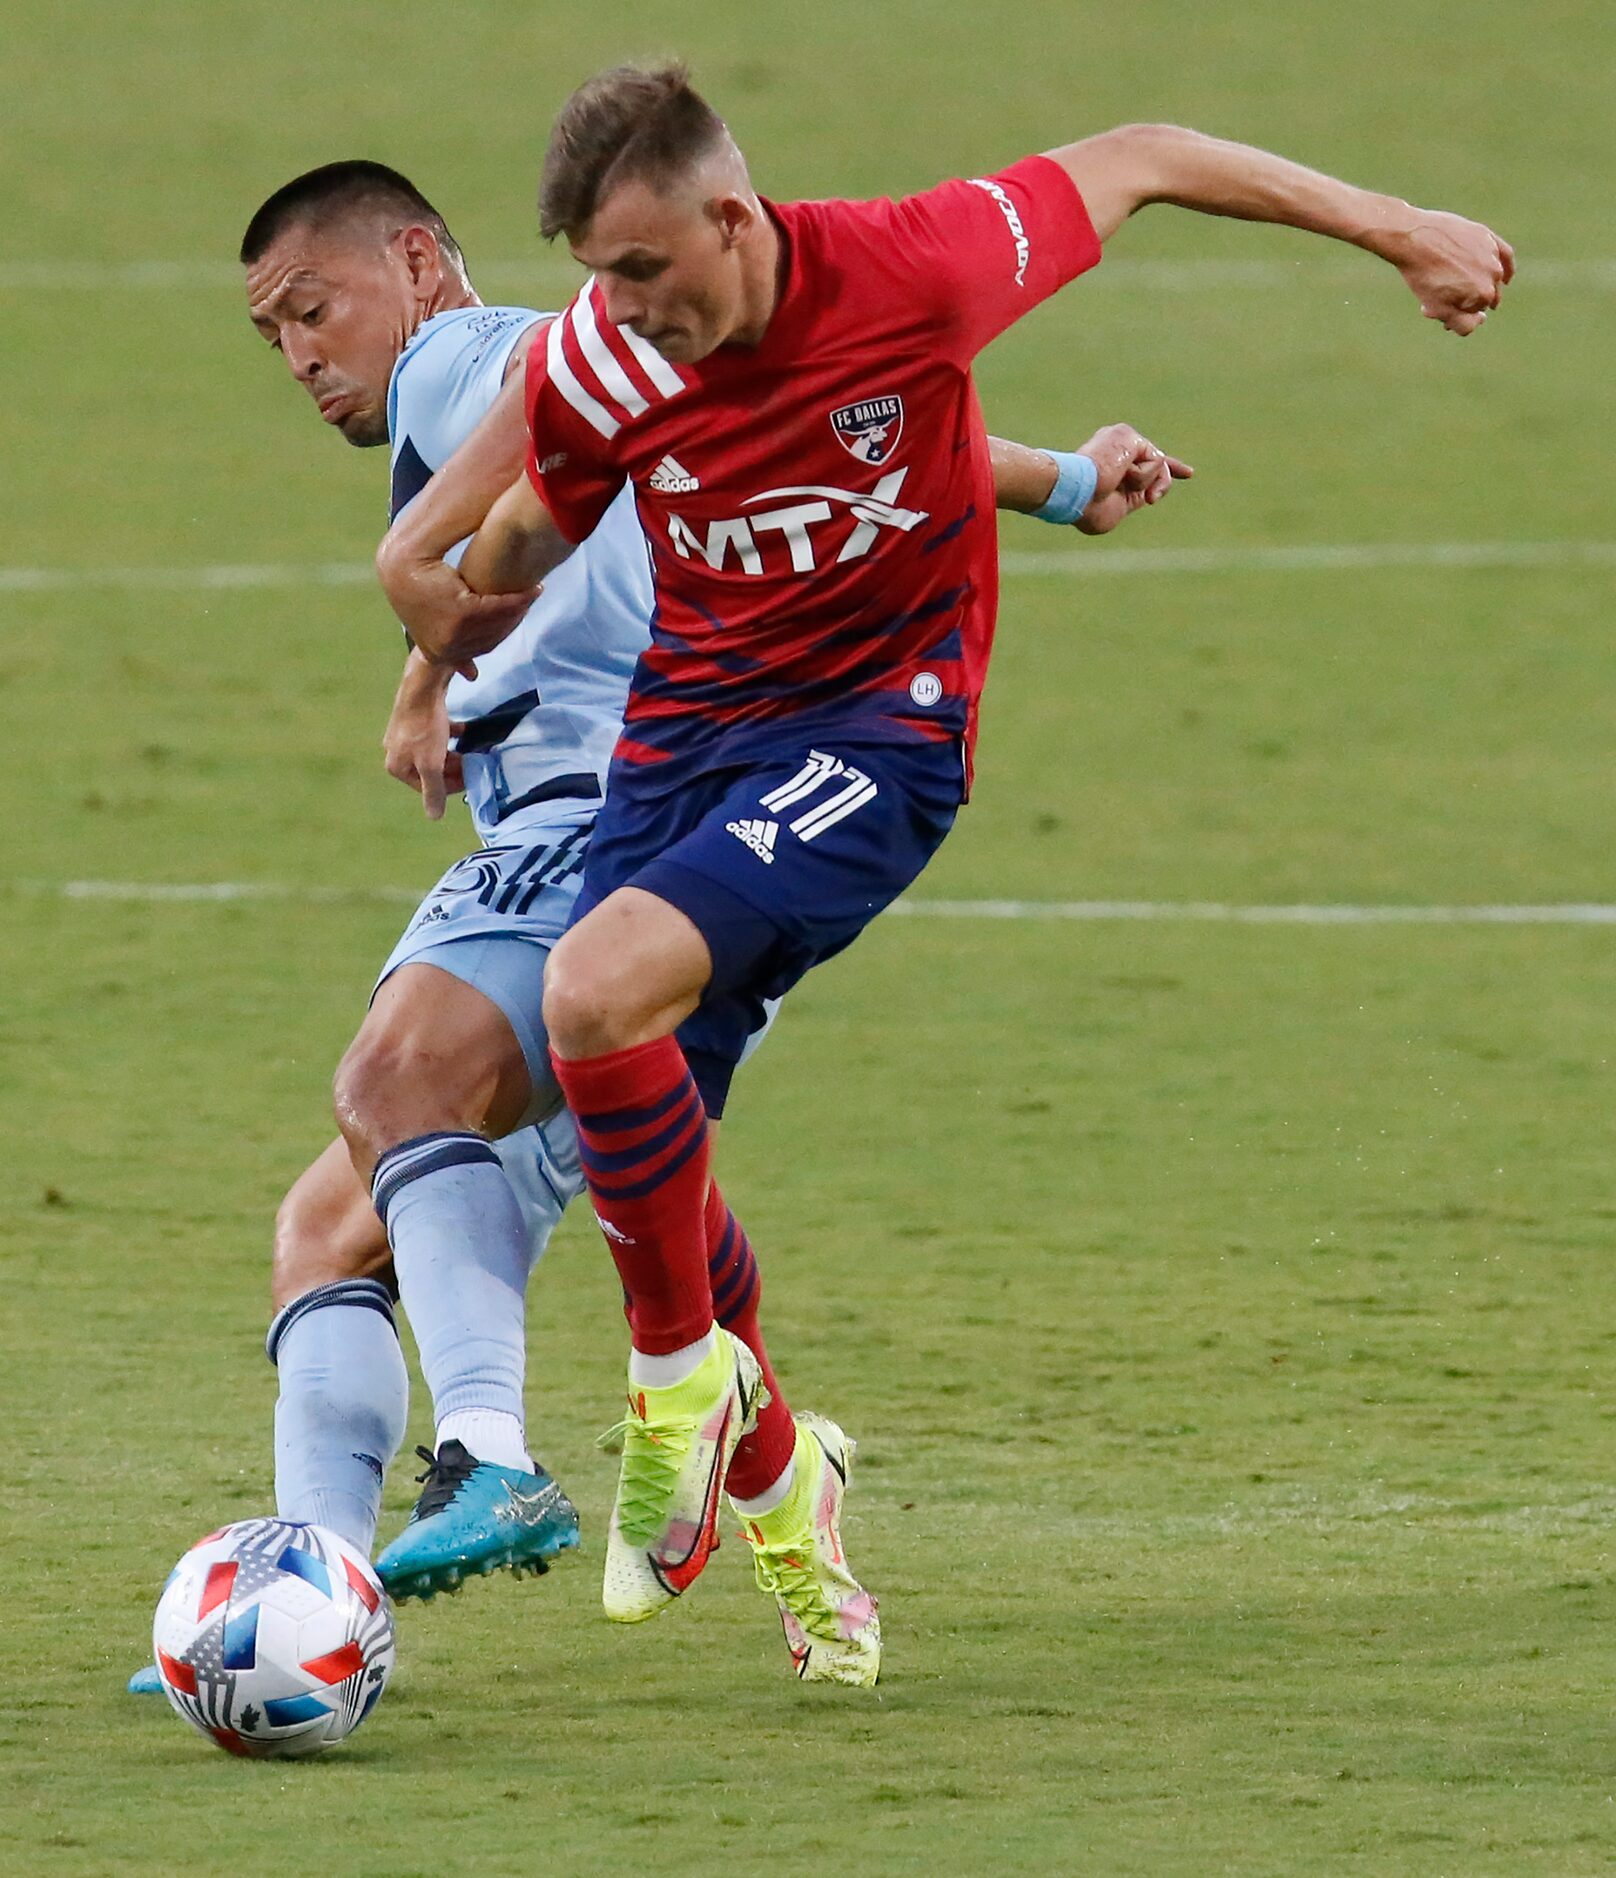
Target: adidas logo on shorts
[[671, 478], [758, 836]]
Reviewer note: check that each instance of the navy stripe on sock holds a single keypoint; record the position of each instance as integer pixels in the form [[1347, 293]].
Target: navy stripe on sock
[[414, 1160], [638, 1189], [619, 1161], [725, 1294], [720, 1264], [726, 1245], [725, 1276], [366, 1294], [726, 1313], [619, 1121]]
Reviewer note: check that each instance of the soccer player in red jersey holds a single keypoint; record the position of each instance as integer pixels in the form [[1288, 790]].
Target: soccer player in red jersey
[[788, 388]]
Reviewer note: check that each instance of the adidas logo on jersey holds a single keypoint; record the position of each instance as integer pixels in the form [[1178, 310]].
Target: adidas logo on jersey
[[671, 478], [758, 836]]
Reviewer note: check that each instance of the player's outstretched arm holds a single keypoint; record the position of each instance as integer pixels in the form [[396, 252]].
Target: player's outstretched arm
[[1117, 471], [446, 620], [1456, 269]]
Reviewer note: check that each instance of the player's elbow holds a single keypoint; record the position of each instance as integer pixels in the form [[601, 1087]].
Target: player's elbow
[[387, 564], [1150, 156], [1119, 171], [390, 559], [398, 568]]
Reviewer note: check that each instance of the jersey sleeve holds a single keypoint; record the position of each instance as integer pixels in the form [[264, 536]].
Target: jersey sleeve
[[568, 462], [988, 249], [443, 389]]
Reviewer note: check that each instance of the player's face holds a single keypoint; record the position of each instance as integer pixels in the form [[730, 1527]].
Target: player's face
[[339, 309], [669, 268]]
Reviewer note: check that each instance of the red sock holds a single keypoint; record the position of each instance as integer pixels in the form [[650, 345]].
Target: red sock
[[762, 1456], [642, 1137]]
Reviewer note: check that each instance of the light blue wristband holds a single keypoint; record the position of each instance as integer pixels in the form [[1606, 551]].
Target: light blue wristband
[[1076, 477]]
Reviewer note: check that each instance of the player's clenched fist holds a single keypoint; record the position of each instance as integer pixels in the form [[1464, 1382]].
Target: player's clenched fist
[[1457, 269], [1133, 474], [445, 619]]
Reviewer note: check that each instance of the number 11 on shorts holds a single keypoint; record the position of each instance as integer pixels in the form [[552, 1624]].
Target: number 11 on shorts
[[851, 791]]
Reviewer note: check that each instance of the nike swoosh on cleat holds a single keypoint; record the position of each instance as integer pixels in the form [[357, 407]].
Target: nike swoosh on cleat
[[677, 1577], [524, 1505]]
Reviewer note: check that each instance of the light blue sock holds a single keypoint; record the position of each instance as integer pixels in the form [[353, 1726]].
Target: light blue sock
[[344, 1399], [462, 1251]]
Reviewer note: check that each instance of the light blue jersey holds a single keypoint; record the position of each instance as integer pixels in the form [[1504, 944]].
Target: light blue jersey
[[542, 715], [545, 709]]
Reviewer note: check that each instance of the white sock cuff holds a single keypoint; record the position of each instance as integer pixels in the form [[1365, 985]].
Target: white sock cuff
[[771, 1496], [492, 1435], [662, 1372]]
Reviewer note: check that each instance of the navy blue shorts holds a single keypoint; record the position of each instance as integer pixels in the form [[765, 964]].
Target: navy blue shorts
[[779, 863]]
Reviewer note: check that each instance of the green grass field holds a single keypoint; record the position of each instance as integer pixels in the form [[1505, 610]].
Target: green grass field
[[1226, 1310]]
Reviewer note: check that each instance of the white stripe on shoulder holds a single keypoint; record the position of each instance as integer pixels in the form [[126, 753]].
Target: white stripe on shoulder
[[657, 368], [613, 378], [565, 380]]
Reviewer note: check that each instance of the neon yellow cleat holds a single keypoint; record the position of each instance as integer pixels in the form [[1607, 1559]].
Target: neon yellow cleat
[[830, 1621], [677, 1445]]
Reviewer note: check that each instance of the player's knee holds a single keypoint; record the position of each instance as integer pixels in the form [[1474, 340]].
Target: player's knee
[[584, 1010], [368, 1068], [393, 1085], [382, 1082]]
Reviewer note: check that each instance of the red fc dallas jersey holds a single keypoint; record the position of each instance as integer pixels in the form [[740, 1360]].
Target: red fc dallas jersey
[[819, 507]]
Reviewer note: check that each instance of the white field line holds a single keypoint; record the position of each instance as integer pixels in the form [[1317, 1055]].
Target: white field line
[[213, 892], [1312, 557], [1217, 912], [1079, 563], [555, 272], [222, 578], [1214, 912]]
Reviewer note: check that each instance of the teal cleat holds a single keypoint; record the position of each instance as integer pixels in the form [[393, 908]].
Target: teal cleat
[[474, 1518], [146, 1681]]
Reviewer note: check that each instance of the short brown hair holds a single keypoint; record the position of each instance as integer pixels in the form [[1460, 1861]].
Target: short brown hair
[[643, 122]]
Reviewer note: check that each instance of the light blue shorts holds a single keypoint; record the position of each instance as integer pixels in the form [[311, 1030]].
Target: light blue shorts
[[491, 921]]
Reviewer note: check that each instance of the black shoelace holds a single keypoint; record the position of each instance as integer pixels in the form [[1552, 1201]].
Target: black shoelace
[[447, 1472]]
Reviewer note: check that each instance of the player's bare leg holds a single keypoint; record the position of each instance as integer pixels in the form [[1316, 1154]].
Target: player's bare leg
[[435, 1071], [326, 1230], [631, 971]]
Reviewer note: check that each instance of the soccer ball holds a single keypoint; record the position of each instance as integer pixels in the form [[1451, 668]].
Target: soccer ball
[[272, 1638]]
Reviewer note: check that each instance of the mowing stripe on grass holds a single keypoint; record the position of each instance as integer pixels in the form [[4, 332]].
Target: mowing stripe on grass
[[1216, 912], [1078, 563]]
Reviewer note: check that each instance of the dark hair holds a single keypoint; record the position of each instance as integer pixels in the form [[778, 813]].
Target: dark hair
[[642, 122], [341, 192]]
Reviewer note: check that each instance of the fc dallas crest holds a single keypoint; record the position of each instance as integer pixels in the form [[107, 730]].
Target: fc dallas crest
[[869, 430]]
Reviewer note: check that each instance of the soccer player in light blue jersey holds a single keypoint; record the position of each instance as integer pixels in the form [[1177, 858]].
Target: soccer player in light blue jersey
[[355, 279], [454, 1159]]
